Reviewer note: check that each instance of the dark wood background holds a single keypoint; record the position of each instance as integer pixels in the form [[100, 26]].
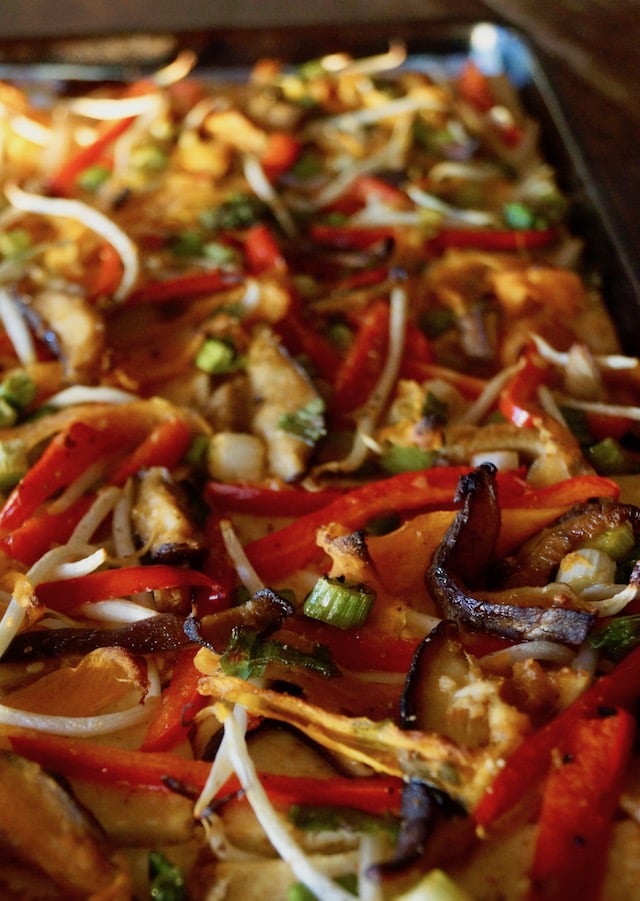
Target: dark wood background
[[590, 48]]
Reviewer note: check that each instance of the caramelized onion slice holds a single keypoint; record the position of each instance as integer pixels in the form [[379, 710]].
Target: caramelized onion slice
[[460, 565]]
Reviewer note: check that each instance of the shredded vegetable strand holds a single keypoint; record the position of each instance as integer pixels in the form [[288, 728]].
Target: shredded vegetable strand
[[93, 219], [269, 819]]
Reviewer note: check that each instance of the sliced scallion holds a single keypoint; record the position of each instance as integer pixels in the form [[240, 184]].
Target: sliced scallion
[[217, 357], [306, 423], [339, 603]]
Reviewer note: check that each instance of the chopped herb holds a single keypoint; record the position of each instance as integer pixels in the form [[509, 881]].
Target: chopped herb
[[237, 211], [306, 423], [339, 603], [307, 166], [197, 450], [188, 243], [618, 638], [248, 655], [166, 882], [219, 253], [149, 157]]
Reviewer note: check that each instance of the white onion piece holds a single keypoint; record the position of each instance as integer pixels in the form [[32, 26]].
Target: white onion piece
[[503, 460], [487, 397], [52, 565], [76, 489], [95, 515], [222, 766], [246, 573], [449, 213], [17, 329], [113, 108], [276, 830], [353, 120], [550, 651], [117, 610], [368, 65], [91, 218], [121, 525], [12, 619], [628, 412], [561, 358], [262, 188], [90, 394], [608, 600]]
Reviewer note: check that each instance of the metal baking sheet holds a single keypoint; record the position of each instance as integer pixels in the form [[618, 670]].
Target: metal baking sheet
[[67, 64]]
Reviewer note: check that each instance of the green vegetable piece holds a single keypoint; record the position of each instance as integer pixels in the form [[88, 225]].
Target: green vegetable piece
[[618, 542], [306, 423], [618, 638], [188, 243], [397, 458], [15, 244], [166, 882], [339, 603], [219, 253], [217, 357], [149, 157], [93, 177], [437, 322], [13, 463], [518, 215], [8, 414], [248, 654], [18, 389], [608, 457], [237, 211], [578, 424]]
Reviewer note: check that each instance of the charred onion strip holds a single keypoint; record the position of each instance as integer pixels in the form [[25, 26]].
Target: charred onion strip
[[146, 636], [460, 564]]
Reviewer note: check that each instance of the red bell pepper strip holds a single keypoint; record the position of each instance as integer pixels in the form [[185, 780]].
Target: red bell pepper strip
[[111, 765], [366, 188], [41, 532], [66, 594], [184, 287], [261, 250], [179, 703], [363, 363], [165, 446], [66, 457], [302, 339], [500, 240], [108, 274], [531, 759], [578, 808], [285, 550], [518, 400], [63, 181], [261, 501], [218, 566], [356, 649], [516, 492], [279, 155]]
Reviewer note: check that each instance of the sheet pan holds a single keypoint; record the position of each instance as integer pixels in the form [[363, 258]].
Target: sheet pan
[[68, 64]]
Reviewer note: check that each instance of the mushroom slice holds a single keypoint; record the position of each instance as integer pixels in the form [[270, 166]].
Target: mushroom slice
[[42, 826], [280, 388], [460, 565], [161, 519], [73, 329]]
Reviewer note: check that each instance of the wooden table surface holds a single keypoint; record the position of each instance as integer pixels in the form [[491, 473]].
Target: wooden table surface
[[591, 50]]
